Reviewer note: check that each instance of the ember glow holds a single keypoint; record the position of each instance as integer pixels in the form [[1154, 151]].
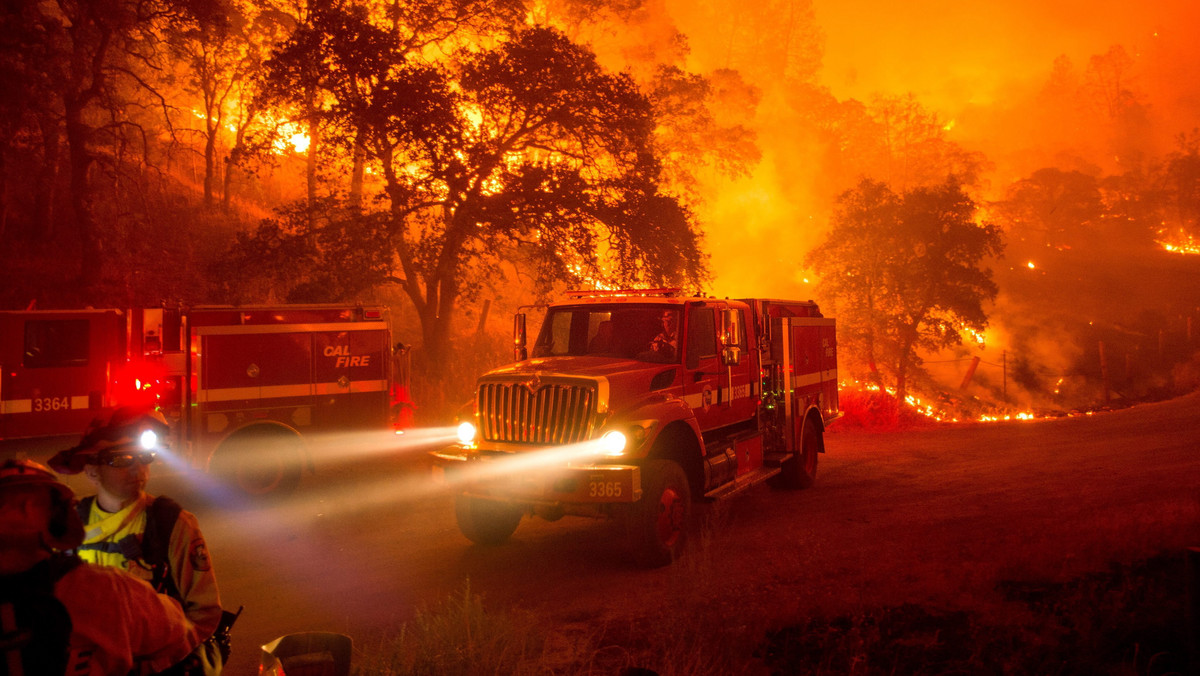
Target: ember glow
[[938, 413], [1185, 245]]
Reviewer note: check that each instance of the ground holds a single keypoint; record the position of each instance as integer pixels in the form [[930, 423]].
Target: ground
[[951, 519]]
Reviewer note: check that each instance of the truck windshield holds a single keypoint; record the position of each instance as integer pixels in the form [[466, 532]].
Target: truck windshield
[[642, 332]]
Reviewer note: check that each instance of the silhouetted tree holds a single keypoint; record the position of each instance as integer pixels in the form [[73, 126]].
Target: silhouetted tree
[[1110, 85], [219, 56], [529, 152], [91, 64], [915, 150], [1181, 187], [903, 271], [299, 75], [689, 136], [1052, 208]]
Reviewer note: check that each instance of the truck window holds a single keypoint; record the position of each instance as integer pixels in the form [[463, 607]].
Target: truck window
[[617, 332], [555, 337], [56, 343], [702, 333]]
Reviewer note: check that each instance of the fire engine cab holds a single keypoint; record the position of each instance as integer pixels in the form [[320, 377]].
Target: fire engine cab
[[633, 403], [246, 389]]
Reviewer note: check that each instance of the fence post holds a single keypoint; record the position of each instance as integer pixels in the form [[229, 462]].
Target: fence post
[[970, 373]]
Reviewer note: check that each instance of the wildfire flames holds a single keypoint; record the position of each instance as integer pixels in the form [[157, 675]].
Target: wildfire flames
[[1185, 245], [932, 411]]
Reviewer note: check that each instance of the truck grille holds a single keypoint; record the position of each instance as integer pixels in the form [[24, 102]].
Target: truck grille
[[548, 414]]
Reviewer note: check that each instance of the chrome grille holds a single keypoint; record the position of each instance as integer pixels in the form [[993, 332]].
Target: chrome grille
[[551, 413]]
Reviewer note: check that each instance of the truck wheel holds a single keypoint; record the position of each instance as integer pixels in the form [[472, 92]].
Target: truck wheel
[[656, 525], [261, 464], [800, 470], [485, 522]]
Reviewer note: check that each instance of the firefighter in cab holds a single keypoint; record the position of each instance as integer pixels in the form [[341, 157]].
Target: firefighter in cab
[[150, 537]]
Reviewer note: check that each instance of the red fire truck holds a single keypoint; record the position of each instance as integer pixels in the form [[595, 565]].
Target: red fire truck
[[634, 403], [245, 388]]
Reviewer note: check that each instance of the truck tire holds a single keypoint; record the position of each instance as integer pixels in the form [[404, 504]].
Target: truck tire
[[260, 464], [486, 522], [800, 470], [656, 526]]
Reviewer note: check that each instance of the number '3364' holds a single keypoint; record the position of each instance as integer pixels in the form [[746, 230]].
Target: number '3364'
[[51, 404]]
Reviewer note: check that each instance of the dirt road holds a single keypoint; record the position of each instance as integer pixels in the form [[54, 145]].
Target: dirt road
[[932, 516]]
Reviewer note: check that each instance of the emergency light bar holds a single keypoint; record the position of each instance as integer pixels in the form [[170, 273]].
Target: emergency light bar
[[616, 293]]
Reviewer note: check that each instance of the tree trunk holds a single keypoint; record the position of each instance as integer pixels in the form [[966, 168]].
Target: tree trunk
[[435, 308], [230, 163], [212, 126], [78, 136], [310, 170], [904, 360], [47, 183], [356, 173], [871, 365], [210, 164]]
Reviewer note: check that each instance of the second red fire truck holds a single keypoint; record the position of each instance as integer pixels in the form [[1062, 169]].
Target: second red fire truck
[[246, 389], [632, 404]]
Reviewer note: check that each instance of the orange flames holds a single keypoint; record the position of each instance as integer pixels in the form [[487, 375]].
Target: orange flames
[[939, 414], [1186, 245]]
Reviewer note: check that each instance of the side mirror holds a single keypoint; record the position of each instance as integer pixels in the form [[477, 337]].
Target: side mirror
[[519, 351], [731, 356], [731, 337]]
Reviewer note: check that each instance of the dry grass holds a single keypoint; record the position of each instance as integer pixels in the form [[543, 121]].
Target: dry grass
[[1126, 620]]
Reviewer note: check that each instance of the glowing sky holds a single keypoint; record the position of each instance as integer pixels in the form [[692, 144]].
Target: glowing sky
[[967, 52]]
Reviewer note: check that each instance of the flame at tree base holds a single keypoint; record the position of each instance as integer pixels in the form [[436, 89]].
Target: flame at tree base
[[871, 406]]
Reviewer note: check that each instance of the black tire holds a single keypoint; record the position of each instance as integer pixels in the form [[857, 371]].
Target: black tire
[[656, 525], [261, 464], [486, 522], [800, 470]]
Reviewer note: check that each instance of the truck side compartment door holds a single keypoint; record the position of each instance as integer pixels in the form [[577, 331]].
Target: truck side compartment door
[[350, 375], [829, 372]]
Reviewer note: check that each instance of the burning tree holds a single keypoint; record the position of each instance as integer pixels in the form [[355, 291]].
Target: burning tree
[[903, 272], [526, 152]]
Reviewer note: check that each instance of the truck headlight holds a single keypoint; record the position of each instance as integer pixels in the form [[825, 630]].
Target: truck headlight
[[613, 443], [466, 432]]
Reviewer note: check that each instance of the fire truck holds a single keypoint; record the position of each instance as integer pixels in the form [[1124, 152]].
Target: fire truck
[[633, 404], [246, 389]]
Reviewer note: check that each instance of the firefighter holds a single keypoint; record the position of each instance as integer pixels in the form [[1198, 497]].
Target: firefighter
[[60, 615], [665, 346], [152, 538]]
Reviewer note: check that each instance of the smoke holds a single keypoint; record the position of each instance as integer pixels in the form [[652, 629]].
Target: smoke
[[953, 55], [1103, 87]]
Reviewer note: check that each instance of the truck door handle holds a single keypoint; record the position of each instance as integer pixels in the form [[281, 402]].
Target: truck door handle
[[701, 375]]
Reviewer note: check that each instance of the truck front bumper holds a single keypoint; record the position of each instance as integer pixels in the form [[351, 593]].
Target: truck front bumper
[[514, 478]]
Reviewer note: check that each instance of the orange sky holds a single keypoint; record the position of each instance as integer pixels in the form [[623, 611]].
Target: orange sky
[[967, 52]]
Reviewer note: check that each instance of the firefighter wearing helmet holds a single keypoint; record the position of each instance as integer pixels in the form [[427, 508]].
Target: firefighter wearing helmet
[[60, 615], [150, 537]]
